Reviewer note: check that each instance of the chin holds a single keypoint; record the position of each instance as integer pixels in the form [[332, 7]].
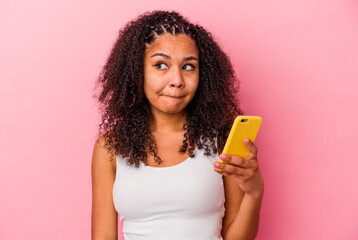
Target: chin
[[172, 110], [170, 107]]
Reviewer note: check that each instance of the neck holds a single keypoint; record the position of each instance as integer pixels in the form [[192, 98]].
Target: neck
[[167, 122]]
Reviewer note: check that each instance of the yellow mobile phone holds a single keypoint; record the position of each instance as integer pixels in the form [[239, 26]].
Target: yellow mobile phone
[[243, 127]]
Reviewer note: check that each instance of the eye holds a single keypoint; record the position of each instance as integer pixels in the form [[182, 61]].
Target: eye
[[159, 65], [191, 67]]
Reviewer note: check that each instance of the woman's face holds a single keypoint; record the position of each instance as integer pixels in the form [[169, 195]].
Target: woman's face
[[171, 72]]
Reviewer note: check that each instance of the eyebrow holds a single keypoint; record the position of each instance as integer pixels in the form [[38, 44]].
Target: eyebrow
[[168, 57]]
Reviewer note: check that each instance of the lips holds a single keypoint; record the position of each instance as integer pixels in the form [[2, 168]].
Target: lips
[[174, 96]]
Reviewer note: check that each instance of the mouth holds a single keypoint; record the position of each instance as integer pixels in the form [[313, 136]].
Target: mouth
[[174, 96]]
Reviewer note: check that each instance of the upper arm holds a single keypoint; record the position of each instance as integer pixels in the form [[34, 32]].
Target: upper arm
[[233, 199], [104, 215]]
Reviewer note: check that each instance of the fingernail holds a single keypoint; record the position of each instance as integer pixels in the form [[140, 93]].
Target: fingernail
[[222, 156], [216, 164], [246, 140]]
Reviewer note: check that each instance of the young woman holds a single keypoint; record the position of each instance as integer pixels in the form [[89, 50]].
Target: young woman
[[168, 95]]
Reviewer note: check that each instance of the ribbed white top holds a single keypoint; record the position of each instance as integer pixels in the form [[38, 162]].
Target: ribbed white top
[[184, 201]]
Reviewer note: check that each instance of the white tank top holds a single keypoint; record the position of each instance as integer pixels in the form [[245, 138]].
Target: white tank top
[[184, 201]]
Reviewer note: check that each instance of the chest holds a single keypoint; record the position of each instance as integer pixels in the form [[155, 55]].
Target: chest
[[189, 188]]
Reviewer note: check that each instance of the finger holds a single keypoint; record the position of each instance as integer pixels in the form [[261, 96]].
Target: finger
[[224, 173], [230, 168], [239, 179], [234, 160], [243, 173], [252, 148]]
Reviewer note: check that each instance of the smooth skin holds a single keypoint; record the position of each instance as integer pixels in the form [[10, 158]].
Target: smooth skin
[[171, 77], [243, 191]]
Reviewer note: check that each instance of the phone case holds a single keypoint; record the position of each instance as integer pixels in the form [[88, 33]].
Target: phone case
[[243, 127]]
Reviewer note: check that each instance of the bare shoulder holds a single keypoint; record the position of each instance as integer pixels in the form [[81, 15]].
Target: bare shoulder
[[101, 155], [104, 215]]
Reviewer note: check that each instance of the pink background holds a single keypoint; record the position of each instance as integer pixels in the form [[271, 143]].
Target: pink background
[[298, 65]]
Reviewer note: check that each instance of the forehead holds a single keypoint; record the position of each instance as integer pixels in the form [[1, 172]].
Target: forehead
[[180, 44]]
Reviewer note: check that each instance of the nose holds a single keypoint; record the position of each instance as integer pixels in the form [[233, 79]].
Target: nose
[[177, 80]]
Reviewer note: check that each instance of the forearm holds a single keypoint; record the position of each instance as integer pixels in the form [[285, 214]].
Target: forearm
[[246, 223]]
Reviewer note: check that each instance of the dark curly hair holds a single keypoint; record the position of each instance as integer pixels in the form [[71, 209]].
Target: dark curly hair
[[125, 110]]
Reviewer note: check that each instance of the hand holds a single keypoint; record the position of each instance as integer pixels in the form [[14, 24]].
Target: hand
[[245, 172]]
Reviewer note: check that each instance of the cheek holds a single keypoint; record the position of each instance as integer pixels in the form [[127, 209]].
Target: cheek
[[149, 83], [152, 86], [194, 86]]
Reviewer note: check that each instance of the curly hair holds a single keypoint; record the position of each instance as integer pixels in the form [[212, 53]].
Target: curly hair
[[125, 110]]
